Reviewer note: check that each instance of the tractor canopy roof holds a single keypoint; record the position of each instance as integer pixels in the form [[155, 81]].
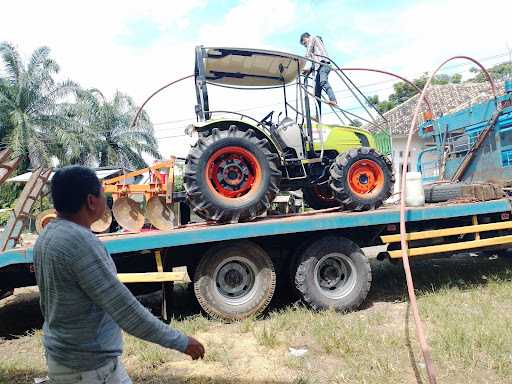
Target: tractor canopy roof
[[248, 67]]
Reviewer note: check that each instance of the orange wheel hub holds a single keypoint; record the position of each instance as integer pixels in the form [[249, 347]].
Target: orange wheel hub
[[365, 177], [233, 172]]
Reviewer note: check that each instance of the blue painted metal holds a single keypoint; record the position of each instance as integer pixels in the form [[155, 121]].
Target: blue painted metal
[[508, 86], [276, 226], [491, 163]]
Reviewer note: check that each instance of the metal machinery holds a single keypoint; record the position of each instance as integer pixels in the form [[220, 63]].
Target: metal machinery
[[470, 145], [239, 163], [157, 194], [134, 203]]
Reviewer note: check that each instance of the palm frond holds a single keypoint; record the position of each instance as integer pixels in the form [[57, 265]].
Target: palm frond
[[12, 61]]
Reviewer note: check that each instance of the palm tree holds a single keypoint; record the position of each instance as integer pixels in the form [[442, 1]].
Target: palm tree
[[33, 119], [116, 141]]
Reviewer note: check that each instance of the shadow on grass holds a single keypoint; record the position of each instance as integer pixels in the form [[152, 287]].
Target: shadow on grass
[[388, 281], [460, 271], [27, 376], [410, 350], [22, 314]]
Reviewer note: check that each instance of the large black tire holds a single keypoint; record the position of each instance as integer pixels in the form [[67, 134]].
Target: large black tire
[[235, 281], [333, 272], [319, 197], [436, 193], [210, 201], [375, 180]]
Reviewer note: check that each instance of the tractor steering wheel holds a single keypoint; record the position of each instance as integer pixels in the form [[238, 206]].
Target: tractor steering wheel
[[266, 118]]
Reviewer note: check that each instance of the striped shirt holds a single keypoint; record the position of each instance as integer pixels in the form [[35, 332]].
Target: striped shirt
[[316, 50], [83, 303]]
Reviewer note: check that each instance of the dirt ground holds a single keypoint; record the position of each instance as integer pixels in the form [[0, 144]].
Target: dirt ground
[[464, 301]]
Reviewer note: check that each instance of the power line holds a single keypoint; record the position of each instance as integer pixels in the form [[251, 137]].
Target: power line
[[485, 59]]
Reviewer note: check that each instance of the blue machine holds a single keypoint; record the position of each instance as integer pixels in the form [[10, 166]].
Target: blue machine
[[472, 145]]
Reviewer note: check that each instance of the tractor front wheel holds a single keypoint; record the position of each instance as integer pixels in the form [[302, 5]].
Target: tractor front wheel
[[231, 175], [362, 179]]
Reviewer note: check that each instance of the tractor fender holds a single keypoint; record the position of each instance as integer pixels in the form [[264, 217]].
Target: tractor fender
[[260, 133]]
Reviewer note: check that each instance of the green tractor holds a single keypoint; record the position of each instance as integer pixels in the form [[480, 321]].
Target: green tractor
[[239, 163]]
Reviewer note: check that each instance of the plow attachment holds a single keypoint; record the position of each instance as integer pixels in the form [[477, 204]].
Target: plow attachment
[[134, 204], [103, 224], [128, 213], [159, 213], [44, 218]]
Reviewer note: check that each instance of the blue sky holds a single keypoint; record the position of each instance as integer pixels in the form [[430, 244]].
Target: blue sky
[[138, 46], [327, 18]]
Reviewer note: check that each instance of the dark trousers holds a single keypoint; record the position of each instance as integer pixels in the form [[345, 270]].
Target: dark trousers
[[322, 84]]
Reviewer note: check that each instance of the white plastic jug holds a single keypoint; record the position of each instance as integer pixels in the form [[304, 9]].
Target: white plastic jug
[[414, 193]]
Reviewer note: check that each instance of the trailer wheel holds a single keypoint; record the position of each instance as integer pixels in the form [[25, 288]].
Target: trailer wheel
[[231, 175], [362, 179], [235, 281], [333, 272]]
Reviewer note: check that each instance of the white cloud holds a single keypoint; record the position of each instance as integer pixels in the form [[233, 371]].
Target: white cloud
[[85, 40], [250, 23], [423, 34]]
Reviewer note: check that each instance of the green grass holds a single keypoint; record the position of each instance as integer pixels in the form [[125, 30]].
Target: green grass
[[193, 324], [267, 335], [466, 305]]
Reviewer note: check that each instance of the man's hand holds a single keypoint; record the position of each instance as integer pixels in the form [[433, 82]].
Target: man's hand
[[194, 349]]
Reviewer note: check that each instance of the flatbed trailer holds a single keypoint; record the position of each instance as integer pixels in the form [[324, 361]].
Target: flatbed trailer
[[235, 268]]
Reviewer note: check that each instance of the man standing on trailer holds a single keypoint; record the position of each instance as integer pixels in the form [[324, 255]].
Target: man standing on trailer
[[84, 305], [315, 50]]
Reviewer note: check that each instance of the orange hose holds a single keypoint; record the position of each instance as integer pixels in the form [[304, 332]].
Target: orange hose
[[420, 333], [134, 121]]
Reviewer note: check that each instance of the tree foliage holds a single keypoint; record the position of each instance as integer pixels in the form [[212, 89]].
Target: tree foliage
[[31, 115], [112, 139], [43, 119], [403, 91], [498, 72]]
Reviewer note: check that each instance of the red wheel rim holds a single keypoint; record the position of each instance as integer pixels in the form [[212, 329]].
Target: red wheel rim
[[365, 177], [233, 172], [323, 193]]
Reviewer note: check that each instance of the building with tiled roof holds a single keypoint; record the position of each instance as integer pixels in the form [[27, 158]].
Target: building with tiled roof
[[444, 99]]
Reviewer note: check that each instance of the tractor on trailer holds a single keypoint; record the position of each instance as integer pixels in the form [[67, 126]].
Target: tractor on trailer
[[239, 163], [236, 268]]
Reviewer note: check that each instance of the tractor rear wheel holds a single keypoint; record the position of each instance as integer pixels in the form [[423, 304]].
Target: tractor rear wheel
[[319, 197], [231, 175], [362, 179]]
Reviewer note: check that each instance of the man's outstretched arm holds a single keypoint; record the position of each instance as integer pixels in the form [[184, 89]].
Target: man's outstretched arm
[[96, 278]]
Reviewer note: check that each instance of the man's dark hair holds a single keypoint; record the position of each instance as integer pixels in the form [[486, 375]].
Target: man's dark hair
[[305, 34], [71, 186]]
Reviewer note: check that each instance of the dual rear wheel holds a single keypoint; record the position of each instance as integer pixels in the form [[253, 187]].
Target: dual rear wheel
[[236, 281]]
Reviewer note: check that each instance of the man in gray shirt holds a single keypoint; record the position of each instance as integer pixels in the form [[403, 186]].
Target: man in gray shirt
[[83, 303]]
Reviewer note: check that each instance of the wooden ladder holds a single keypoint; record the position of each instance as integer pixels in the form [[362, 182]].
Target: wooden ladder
[[7, 165], [21, 212]]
